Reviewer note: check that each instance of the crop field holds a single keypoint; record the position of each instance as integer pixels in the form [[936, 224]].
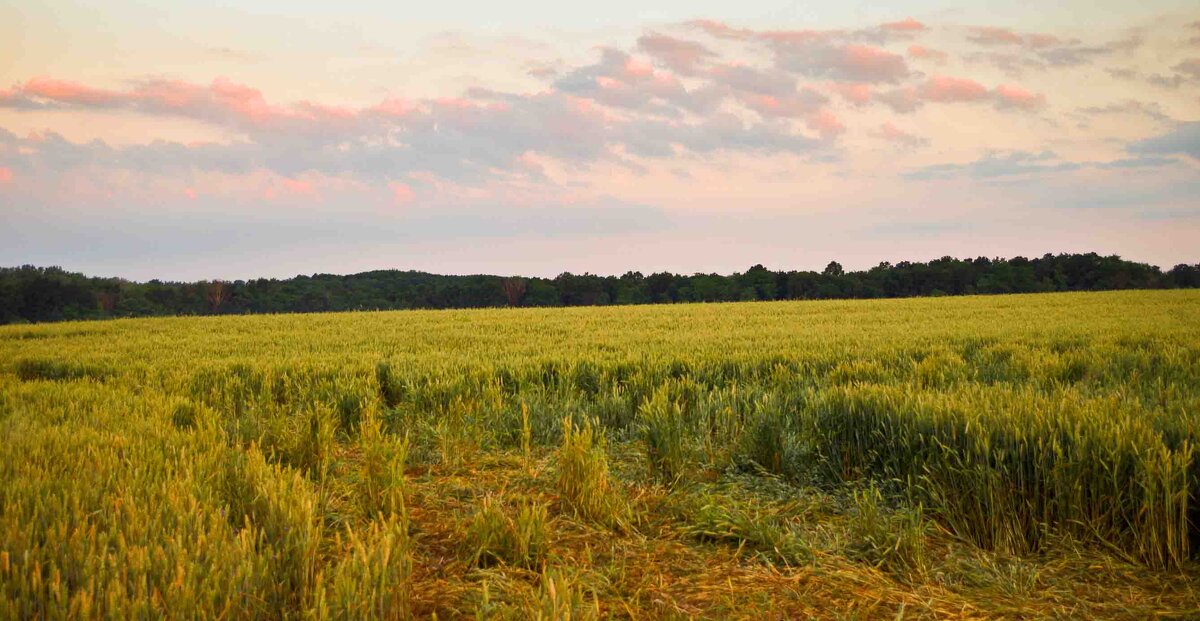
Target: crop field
[[1022, 456]]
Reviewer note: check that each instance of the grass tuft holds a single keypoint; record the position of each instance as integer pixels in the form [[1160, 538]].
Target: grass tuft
[[584, 481], [493, 536]]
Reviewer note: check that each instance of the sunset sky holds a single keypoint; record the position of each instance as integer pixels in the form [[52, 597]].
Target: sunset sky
[[188, 140]]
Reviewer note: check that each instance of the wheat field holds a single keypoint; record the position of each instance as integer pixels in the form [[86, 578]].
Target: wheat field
[[1020, 456]]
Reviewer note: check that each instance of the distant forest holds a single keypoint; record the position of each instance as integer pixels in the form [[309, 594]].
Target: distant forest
[[35, 294]]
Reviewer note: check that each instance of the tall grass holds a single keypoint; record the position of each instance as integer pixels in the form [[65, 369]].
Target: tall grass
[[373, 580], [584, 480], [665, 436], [382, 458], [495, 536]]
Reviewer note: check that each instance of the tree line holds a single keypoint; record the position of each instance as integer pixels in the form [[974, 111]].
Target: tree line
[[36, 294]]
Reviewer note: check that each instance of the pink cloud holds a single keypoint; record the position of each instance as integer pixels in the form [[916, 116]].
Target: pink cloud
[[793, 105], [190, 193], [274, 187], [995, 36], [70, 92], [870, 61], [920, 51], [394, 106], [638, 69], [1017, 97], [829, 54], [682, 56], [845, 63], [905, 25], [621, 81], [945, 89], [857, 94], [889, 132], [764, 104], [318, 110], [299, 187], [402, 193], [169, 95], [987, 35], [6, 174], [220, 102], [825, 123], [582, 105], [243, 100], [721, 30]]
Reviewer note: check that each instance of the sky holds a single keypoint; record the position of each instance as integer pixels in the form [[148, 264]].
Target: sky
[[197, 140]]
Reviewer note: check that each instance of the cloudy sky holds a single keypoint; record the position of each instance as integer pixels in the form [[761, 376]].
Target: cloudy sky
[[186, 140]]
